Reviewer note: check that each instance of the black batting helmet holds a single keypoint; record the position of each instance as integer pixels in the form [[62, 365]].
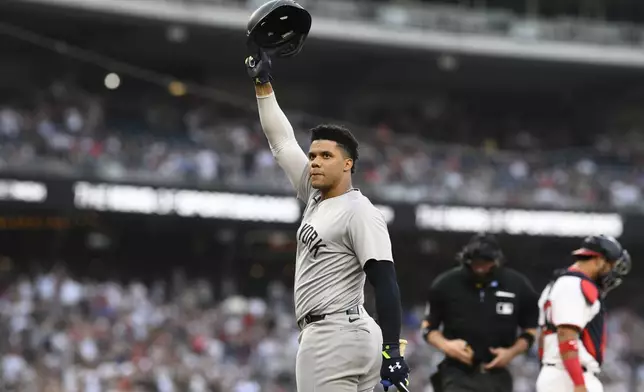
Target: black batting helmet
[[279, 27]]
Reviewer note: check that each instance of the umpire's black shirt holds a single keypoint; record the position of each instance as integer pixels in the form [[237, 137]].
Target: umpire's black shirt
[[485, 315]]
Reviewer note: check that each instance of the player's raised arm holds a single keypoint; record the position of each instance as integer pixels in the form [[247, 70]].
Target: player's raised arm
[[277, 128]]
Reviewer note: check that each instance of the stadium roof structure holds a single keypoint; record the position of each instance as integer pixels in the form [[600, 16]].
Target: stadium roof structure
[[373, 33]]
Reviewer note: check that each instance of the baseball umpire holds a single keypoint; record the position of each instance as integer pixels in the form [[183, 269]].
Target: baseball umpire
[[342, 239], [480, 304], [572, 339]]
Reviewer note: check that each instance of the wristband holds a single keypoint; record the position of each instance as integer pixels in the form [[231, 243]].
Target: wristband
[[572, 365], [261, 80], [528, 337], [391, 350], [425, 333], [426, 329]]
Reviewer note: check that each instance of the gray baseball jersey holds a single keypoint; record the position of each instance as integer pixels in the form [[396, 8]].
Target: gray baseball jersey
[[336, 238], [340, 353]]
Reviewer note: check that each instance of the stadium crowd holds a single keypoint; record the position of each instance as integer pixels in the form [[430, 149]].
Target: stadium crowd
[[498, 19], [66, 131], [68, 334]]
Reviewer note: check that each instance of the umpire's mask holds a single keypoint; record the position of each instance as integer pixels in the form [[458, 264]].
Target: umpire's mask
[[482, 256]]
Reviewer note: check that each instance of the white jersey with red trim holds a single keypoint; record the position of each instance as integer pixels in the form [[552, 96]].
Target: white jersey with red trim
[[574, 301]]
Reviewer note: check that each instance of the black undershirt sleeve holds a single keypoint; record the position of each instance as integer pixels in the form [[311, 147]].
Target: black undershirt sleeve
[[435, 308], [528, 306], [382, 276]]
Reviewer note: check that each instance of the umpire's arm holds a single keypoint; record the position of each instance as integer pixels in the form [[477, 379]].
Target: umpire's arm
[[434, 311], [528, 317], [370, 241]]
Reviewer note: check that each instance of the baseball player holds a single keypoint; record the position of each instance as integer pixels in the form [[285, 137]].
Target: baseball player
[[342, 239], [572, 340]]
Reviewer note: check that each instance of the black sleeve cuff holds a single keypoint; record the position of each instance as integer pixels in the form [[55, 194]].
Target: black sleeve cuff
[[528, 337]]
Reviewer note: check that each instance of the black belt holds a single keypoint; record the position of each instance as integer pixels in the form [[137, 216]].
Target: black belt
[[313, 318], [478, 367], [553, 365]]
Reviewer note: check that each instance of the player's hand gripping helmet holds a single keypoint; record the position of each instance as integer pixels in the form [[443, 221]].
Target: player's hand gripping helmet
[[613, 252], [279, 27]]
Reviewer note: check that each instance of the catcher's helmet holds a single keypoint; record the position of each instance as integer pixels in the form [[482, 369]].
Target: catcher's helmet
[[613, 252], [600, 245], [279, 27]]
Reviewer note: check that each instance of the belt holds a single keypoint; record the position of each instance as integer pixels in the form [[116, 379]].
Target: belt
[[584, 368], [313, 318], [478, 367]]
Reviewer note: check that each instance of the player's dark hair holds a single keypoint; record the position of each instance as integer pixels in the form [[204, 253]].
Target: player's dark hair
[[340, 135]]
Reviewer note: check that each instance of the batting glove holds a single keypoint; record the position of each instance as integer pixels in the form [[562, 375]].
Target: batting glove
[[258, 68], [394, 370]]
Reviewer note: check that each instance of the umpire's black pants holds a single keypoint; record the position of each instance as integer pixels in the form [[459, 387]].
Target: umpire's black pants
[[456, 379]]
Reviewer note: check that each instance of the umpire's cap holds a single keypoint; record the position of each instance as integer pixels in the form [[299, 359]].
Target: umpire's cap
[[482, 246], [279, 27]]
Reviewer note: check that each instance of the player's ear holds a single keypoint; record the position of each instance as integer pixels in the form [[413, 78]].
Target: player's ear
[[348, 164]]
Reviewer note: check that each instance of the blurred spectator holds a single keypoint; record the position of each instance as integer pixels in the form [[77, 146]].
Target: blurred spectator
[[68, 133], [108, 336]]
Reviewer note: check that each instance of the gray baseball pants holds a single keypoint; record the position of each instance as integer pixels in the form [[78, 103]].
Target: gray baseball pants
[[341, 353]]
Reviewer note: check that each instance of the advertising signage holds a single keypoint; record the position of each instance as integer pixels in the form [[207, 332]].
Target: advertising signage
[[245, 207]]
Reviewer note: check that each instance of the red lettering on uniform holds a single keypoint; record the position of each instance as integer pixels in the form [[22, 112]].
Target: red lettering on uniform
[[590, 291]]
